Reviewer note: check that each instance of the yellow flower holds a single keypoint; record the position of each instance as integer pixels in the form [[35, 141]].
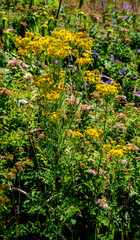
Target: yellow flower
[[107, 90], [93, 132], [92, 76]]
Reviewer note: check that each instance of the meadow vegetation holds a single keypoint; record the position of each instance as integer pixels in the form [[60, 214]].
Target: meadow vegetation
[[69, 121]]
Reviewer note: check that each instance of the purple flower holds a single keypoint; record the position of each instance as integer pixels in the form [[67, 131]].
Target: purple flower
[[108, 82], [112, 57], [128, 8], [86, 84], [116, 9], [128, 75], [118, 61], [122, 71], [71, 66], [103, 3], [96, 53], [138, 50], [136, 76], [103, 74], [56, 62], [125, 17], [138, 93], [125, 5]]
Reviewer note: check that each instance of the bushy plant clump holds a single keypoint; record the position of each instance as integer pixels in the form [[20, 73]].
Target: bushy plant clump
[[69, 123]]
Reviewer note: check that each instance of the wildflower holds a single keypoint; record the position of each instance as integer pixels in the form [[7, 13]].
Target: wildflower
[[125, 17], [86, 84], [86, 107], [93, 132], [108, 82], [112, 57], [120, 126], [9, 29], [137, 93], [72, 100], [103, 3], [12, 61], [92, 172], [105, 206], [133, 147], [125, 5], [56, 62], [71, 66], [122, 71], [136, 76], [14, 68], [97, 201], [23, 101], [77, 134], [54, 116], [106, 89], [96, 53], [9, 157], [118, 61], [123, 161], [138, 50], [24, 65]]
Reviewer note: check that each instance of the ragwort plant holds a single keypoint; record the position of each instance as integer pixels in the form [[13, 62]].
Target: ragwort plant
[[69, 142]]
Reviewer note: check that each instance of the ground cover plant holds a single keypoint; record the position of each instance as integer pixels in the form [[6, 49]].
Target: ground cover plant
[[69, 121]]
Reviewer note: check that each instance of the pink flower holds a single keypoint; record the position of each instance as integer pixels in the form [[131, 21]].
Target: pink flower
[[24, 65], [120, 126], [14, 68], [124, 161], [86, 107], [97, 201], [92, 172], [105, 206]]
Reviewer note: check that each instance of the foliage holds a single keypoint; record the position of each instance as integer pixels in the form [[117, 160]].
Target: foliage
[[69, 122]]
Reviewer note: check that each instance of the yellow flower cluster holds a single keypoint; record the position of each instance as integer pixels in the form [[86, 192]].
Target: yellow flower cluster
[[92, 76], [107, 90], [55, 115], [47, 86], [53, 95], [75, 133], [94, 132], [118, 150], [59, 45], [44, 80], [82, 61]]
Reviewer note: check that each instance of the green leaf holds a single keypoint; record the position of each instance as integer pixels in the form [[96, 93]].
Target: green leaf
[[73, 221], [81, 3], [105, 47]]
